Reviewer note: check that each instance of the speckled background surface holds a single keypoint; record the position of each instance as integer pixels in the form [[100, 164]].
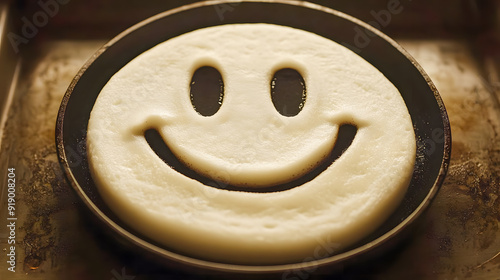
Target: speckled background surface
[[459, 237]]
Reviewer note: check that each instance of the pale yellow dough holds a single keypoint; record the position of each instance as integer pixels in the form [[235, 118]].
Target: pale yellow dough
[[247, 142]]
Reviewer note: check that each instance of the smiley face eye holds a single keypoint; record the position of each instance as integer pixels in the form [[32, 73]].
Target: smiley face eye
[[288, 92], [206, 90]]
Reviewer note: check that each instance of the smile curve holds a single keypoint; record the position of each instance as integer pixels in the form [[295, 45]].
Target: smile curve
[[346, 134]]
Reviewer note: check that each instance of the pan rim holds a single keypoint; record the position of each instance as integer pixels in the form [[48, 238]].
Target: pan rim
[[225, 267]]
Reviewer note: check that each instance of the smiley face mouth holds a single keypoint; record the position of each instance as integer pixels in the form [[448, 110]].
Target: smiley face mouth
[[346, 134]]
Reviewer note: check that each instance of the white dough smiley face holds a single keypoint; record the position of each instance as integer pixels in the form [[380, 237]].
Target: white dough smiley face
[[248, 143]]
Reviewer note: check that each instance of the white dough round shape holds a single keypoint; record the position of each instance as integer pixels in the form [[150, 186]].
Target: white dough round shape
[[247, 142]]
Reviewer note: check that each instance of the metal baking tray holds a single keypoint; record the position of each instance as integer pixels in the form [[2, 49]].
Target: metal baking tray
[[457, 238]]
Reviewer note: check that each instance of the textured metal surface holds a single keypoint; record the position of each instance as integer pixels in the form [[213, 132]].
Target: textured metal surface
[[461, 237], [458, 239], [9, 65]]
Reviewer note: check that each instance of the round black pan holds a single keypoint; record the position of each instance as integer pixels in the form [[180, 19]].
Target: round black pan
[[426, 108]]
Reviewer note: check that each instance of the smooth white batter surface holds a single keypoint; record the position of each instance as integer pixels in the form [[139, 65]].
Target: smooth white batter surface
[[247, 142]]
